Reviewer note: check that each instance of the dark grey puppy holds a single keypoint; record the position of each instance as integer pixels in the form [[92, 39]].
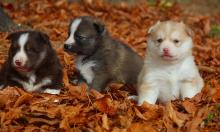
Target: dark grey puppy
[[100, 58]]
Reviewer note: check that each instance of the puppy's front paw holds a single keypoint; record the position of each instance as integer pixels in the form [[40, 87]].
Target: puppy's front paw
[[133, 97], [189, 89], [147, 93], [150, 100], [52, 91]]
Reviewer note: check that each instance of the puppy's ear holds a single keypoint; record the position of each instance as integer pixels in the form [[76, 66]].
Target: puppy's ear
[[188, 30], [12, 36], [44, 37], [99, 27], [153, 27]]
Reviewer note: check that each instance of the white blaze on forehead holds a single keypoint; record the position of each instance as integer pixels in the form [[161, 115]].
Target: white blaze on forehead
[[21, 55], [73, 29]]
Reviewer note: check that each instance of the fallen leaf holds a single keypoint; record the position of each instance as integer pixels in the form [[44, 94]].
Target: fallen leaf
[[105, 105], [189, 107], [105, 121], [141, 127], [23, 99], [173, 116], [139, 114]]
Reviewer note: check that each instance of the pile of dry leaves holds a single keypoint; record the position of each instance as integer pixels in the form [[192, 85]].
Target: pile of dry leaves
[[75, 109]]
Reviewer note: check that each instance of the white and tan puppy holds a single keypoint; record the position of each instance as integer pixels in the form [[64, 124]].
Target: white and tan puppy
[[169, 70]]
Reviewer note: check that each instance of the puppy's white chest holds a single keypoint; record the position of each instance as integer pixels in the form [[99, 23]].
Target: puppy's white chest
[[32, 81], [170, 85], [27, 85], [85, 69]]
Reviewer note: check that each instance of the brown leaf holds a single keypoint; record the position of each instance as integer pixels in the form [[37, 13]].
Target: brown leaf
[[141, 127], [41, 120], [216, 96], [23, 99], [105, 121], [171, 113], [105, 105], [65, 124], [139, 114], [96, 94], [67, 59], [207, 26], [193, 125], [189, 107], [65, 78]]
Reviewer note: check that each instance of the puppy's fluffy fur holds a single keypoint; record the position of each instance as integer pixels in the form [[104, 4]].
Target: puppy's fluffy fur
[[32, 63], [100, 58], [169, 70]]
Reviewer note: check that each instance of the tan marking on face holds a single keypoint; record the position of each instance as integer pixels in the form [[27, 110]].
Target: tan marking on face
[[169, 31]]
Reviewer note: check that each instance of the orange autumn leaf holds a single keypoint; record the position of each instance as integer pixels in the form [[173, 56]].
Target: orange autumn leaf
[[67, 58], [105, 105], [65, 78], [216, 97]]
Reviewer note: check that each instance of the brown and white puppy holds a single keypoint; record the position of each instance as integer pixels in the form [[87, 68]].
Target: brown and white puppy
[[169, 71], [100, 58], [32, 63]]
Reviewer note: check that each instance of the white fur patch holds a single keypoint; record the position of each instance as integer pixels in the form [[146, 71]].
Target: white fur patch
[[41, 58], [175, 34], [85, 69], [32, 79], [133, 97], [168, 79], [30, 86], [52, 91], [21, 55], [73, 29], [44, 82], [165, 80]]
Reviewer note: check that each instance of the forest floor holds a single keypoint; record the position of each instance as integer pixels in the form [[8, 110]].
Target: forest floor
[[75, 109]]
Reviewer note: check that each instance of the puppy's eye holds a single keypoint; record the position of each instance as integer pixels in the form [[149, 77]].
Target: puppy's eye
[[160, 40], [32, 50], [176, 41], [79, 37]]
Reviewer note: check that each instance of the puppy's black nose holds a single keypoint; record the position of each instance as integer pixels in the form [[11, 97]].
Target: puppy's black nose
[[67, 46]]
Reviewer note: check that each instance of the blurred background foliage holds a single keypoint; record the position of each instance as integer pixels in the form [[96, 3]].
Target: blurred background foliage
[[190, 6], [194, 7]]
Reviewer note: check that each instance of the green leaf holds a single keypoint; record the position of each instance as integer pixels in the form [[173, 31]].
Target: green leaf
[[215, 31]]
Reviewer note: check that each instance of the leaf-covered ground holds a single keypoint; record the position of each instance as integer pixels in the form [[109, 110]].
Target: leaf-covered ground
[[75, 109]]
